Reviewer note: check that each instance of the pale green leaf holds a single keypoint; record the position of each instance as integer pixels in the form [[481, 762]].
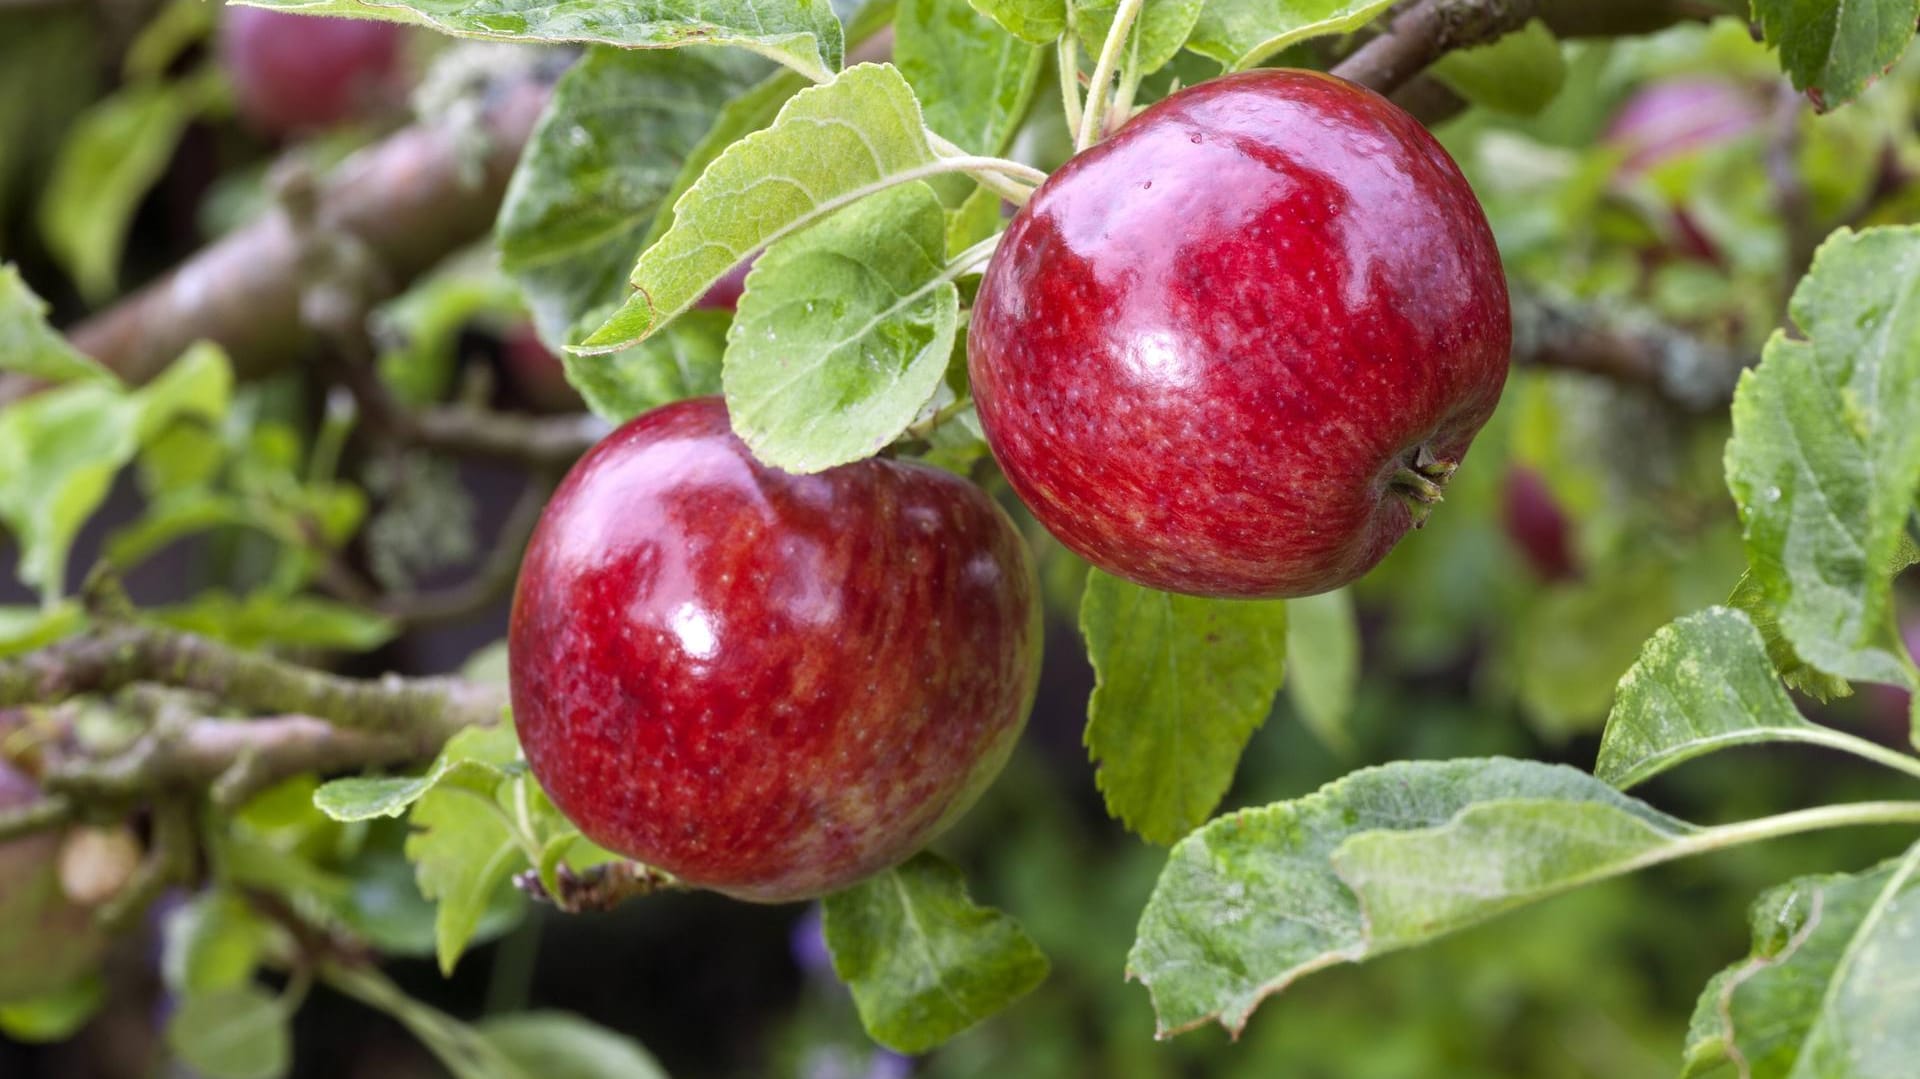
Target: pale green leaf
[[1824, 994], [268, 618], [1834, 49], [598, 173], [559, 1045], [477, 758], [1701, 684], [1241, 33], [1323, 663], [924, 962], [1519, 74], [232, 1034], [974, 81], [1037, 22], [805, 35], [844, 333], [1825, 453], [1251, 902], [60, 450], [829, 146], [28, 345], [23, 629], [738, 118], [1181, 683], [111, 158], [211, 943], [464, 855], [1161, 28]]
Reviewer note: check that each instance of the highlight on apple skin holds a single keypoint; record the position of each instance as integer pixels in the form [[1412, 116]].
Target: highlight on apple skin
[[769, 685]]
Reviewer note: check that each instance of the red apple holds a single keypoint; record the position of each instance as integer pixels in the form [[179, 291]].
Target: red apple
[[724, 295], [769, 685], [1238, 348], [1536, 525], [1667, 119], [47, 941], [1672, 118], [294, 73], [536, 372]]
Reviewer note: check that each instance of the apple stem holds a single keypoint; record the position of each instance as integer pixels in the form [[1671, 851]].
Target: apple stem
[[1422, 483]]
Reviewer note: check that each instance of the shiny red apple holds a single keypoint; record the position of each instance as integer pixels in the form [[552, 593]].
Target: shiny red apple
[[1238, 348], [296, 73], [1537, 525], [769, 685]]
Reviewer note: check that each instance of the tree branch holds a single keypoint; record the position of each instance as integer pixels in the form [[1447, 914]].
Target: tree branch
[[412, 199], [1430, 29], [601, 887], [117, 656], [1696, 375]]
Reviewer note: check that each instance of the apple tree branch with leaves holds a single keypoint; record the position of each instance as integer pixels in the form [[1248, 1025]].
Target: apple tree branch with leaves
[[838, 361]]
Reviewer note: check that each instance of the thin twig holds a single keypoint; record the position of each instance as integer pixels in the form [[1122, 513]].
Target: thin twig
[[600, 887]]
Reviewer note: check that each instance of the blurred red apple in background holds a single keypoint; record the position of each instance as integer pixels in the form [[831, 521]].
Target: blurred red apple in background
[[296, 73]]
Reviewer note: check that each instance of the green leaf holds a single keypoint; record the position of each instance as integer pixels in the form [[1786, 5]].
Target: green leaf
[[1749, 597], [477, 759], [1252, 901], [1519, 74], [976, 218], [805, 35], [974, 82], [1701, 684], [683, 360], [1825, 453], [598, 172], [211, 943], [923, 961], [1241, 33], [1821, 997], [1162, 27], [60, 450], [268, 618], [56, 1016], [112, 157], [23, 629], [745, 114], [234, 1034], [1181, 683], [1833, 50], [829, 146], [419, 330], [383, 905], [464, 855], [1038, 22], [28, 345], [1323, 663], [558, 1045], [844, 332]]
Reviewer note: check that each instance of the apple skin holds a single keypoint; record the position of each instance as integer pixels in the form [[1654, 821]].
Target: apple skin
[[724, 295], [766, 684], [46, 940], [297, 73], [1537, 525], [1209, 350]]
